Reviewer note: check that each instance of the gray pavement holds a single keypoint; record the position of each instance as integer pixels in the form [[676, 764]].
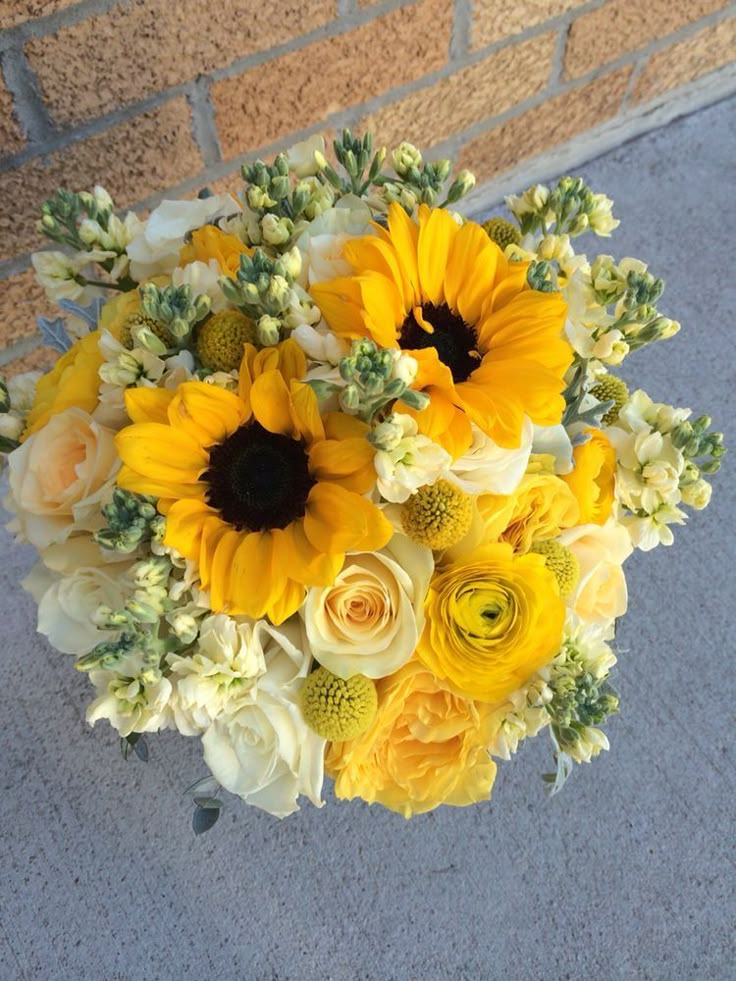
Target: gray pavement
[[628, 873]]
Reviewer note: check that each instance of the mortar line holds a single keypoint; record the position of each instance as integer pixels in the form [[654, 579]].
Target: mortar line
[[28, 106], [461, 32], [204, 130]]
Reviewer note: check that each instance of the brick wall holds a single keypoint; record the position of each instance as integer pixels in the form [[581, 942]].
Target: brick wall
[[148, 96]]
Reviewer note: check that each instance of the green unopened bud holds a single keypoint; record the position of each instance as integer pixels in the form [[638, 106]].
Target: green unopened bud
[[350, 398], [269, 331], [415, 400], [463, 183]]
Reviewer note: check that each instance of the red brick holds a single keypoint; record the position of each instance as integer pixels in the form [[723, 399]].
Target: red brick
[[495, 20], [620, 26], [145, 46], [485, 89], [684, 62], [302, 88], [550, 124], [143, 155]]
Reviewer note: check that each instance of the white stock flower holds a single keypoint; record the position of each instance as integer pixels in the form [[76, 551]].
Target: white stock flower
[[22, 391], [219, 675], [11, 425], [61, 476], [265, 752], [321, 243], [66, 611], [320, 343], [601, 218], [369, 621], [155, 249], [131, 699], [649, 531], [57, 272], [486, 468], [301, 159], [413, 462], [649, 469]]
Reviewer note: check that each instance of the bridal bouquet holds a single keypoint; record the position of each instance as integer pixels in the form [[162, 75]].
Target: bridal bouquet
[[341, 482]]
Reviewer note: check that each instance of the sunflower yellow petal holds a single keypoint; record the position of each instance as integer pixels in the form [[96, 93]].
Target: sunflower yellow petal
[[163, 489], [403, 232], [208, 413], [305, 415], [287, 602], [347, 462], [161, 453], [437, 233], [185, 523], [223, 548], [306, 564], [337, 520], [271, 403], [148, 404], [341, 302], [372, 252], [254, 581]]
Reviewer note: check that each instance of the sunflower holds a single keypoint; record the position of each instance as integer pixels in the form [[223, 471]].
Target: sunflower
[[257, 488], [490, 349]]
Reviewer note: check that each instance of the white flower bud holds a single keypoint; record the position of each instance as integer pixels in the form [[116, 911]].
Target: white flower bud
[[276, 231], [404, 157], [268, 331], [697, 495]]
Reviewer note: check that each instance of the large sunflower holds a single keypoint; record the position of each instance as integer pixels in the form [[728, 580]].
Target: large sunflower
[[490, 349], [257, 488]]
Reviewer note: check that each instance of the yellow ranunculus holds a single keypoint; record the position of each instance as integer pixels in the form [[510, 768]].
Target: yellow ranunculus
[[540, 507], [209, 242], [492, 620], [73, 382], [427, 746], [593, 478]]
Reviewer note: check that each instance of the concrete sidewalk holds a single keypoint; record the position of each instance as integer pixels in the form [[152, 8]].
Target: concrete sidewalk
[[628, 873]]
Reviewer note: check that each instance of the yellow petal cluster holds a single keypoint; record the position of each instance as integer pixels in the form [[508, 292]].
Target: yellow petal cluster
[[540, 508], [593, 478], [454, 283], [73, 382], [209, 243], [492, 619], [254, 571], [427, 746]]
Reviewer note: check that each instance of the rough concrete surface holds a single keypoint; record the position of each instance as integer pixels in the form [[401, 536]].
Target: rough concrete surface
[[628, 873]]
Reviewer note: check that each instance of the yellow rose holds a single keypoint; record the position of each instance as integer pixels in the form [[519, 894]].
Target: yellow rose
[[540, 508], [427, 746], [73, 382], [492, 620], [592, 479], [208, 243]]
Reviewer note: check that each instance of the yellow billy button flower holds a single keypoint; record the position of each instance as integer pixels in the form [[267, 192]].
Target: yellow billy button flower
[[335, 708], [502, 232], [593, 478], [611, 388], [222, 339], [492, 620], [490, 349], [437, 515], [257, 488], [562, 562]]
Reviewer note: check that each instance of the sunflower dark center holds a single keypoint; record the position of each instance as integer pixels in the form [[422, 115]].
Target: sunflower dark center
[[257, 479], [455, 341]]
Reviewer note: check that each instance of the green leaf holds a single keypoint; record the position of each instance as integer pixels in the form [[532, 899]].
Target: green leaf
[[204, 818]]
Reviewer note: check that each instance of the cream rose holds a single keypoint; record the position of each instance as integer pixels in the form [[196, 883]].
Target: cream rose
[[370, 620], [601, 594], [60, 477], [66, 610], [264, 752]]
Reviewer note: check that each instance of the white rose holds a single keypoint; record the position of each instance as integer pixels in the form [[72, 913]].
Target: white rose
[[66, 610], [370, 620], [265, 752], [322, 241], [487, 468], [155, 248], [221, 672], [601, 595], [61, 476]]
